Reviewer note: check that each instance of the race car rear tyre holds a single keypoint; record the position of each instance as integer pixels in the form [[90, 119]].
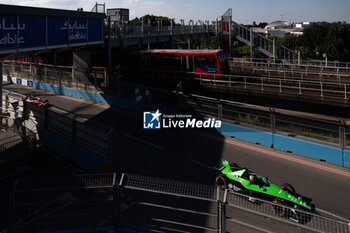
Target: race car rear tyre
[[234, 165], [278, 210], [221, 181], [288, 188]]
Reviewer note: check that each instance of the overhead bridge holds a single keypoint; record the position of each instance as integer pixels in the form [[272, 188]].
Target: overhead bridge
[[24, 29]]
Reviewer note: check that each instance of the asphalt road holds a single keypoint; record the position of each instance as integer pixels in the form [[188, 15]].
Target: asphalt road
[[178, 155]]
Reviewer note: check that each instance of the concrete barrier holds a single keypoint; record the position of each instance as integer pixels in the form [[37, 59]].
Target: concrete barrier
[[247, 134], [309, 149], [346, 156]]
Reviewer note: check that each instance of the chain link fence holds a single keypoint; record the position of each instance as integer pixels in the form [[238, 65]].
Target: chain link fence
[[121, 202]]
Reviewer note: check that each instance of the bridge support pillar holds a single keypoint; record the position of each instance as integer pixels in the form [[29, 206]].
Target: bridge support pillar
[[81, 65]]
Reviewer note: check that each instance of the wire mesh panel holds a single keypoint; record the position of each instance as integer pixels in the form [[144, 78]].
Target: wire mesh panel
[[274, 217], [178, 188], [246, 116], [92, 202], [167, 213], [59, 210], [347, 138], [316, 130], [66, 182]]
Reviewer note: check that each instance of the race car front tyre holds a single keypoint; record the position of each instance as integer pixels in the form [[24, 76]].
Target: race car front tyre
[[279, 210], [288, 188], [221, 181]]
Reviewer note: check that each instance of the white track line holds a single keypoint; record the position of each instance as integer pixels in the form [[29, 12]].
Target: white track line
[[200, 164], [145, 142], [333, 215]]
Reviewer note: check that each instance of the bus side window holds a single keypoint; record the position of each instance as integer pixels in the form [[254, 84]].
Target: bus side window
[[200, 61]]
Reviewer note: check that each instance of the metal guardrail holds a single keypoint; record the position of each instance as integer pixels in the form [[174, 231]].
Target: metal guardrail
[[9, 144], [309, 63], [300, 72], [85, 202], [69, 76], [282, 86]]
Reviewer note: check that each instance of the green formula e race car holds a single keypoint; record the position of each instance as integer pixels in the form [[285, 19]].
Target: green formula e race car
[[241, 180]]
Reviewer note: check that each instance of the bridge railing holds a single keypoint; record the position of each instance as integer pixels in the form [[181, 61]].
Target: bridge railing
[[290, 70], [312, 64], [127, 201], [147, 31]]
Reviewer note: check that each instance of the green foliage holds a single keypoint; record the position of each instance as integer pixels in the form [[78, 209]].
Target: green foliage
[[330, 38], [153, 19], [242, 51]]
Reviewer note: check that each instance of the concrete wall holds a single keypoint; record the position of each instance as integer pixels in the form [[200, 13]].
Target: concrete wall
[[81, 61]]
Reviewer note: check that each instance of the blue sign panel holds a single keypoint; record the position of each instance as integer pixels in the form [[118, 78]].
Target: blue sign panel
[[8, 31], [95, 29], [26, 31], [57, 32], [78, 30], [31, 31]]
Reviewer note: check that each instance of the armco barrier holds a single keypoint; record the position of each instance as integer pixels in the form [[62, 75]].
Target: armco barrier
[[297, 146]]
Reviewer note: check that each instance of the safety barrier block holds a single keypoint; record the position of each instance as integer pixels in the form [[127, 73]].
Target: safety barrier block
[[309, 149], [346, 155], [247, 134]]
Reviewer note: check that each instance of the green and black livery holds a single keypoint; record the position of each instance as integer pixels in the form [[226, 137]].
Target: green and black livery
[[236, 179]]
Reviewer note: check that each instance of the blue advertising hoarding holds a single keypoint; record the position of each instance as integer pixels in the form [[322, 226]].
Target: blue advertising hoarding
[[23, 31], [56, 35], [8, 31], [31, 30]]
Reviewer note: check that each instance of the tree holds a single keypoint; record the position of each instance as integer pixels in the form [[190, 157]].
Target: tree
[[330, 38]]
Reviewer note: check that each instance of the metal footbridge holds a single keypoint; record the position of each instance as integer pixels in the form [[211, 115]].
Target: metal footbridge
[[24, 29]]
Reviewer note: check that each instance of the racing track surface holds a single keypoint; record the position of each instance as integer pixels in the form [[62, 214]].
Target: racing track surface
[[181, 155]]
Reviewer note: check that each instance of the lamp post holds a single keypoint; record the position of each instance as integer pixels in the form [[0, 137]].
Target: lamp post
[[182, 25], [326, 59], [158, 21]]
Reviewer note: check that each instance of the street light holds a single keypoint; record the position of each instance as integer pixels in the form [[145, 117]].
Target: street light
[[190, 23], [182, 25], [326, 59]]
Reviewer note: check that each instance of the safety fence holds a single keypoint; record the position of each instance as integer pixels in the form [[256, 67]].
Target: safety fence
[[24, 141], [309, 90], [289, 83], [319, 129], [292, 71], [78, 129], [68, 76], [315, 64], [125, 202], [293, 124]]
